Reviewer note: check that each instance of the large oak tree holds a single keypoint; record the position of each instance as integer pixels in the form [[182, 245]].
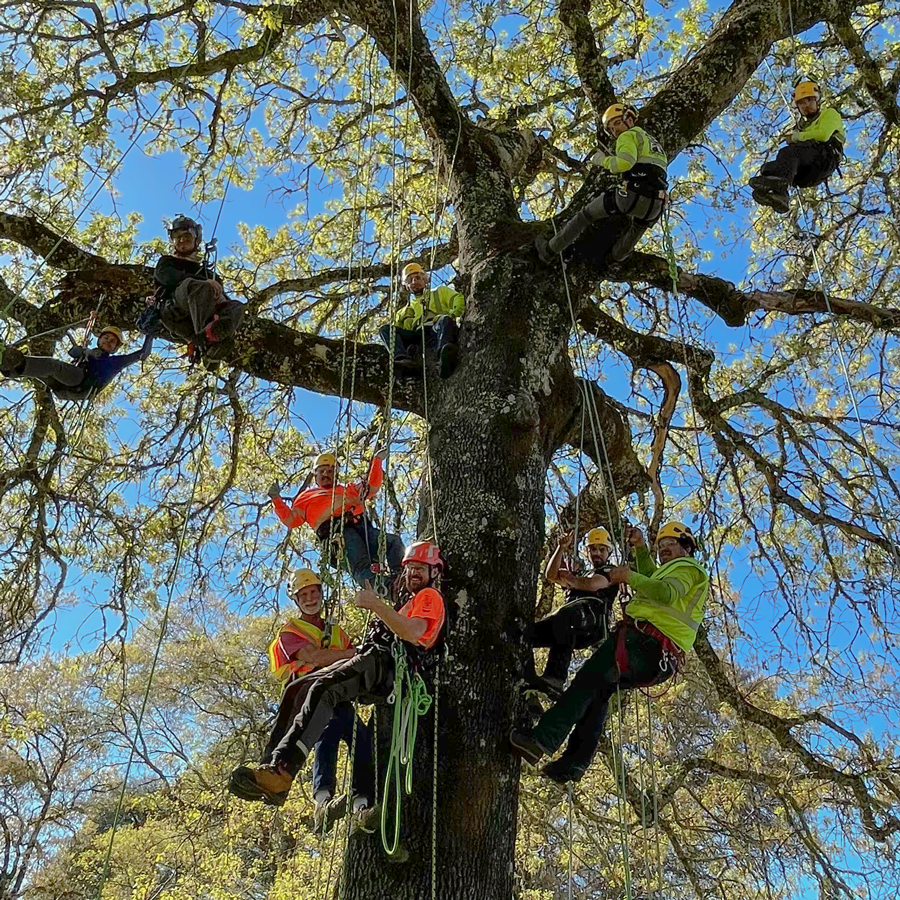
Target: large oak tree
[[763, 408]]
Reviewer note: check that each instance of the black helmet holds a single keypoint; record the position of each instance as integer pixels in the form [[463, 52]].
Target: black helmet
[[182, 222]]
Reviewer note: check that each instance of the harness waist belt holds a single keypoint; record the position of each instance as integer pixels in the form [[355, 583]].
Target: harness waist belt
[[349, 519]]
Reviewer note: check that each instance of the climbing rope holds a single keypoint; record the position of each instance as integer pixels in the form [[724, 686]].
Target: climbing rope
[[410, 699], [207, 419]]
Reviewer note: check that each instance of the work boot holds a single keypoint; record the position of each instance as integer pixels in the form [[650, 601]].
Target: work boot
[[542, 245], [366, 820], [268, 784], [525, 745], [562, 772], [449, 356], [779, 202], [13, 362], [329, 813], [769, 183]]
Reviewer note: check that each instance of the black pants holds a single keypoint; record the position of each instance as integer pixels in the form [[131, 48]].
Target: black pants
[[804, 164], [586, 700], [577, 625], [339, 728], [368, 676], [408, 341]]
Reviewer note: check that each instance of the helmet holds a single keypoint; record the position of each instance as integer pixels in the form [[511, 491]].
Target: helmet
[[615, 111], [424, 552], [303, 578], [111, 329], [598, 537], [411, 269], [677, 530], [182, 222], [806, 87], [325, 459]]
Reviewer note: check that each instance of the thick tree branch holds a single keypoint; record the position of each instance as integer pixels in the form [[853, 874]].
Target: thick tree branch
[[574, 16], [884, 97]]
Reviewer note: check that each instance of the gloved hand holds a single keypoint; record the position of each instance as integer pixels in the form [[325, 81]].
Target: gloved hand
[[274, 490]]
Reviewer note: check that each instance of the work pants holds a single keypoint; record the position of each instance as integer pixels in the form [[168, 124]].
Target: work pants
[[642, 211], [582, 707], [339, 728], [362, 545], [577, 625], [442, 332], [64, 379], [803, 164], [194, 306], [367, 677]]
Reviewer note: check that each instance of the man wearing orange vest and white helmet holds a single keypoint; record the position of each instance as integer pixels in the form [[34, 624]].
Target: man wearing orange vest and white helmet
[[302, 647], [429, 318], [814, 150], [417, 621], [648, 646], [583, 620], [332, 508]]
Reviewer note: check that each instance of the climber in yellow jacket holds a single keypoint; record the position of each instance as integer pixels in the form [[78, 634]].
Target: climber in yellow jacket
[[648, 646], [429, 318], [814, 150], [640, 199]]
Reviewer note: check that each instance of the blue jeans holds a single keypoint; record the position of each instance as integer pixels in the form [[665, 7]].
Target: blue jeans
[[362, 545], [324, 770]]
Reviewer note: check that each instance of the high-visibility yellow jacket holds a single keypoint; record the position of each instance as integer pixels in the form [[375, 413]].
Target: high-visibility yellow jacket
[[633, 147], [294, 635], [423, 309], [822, 127], [671, 597]]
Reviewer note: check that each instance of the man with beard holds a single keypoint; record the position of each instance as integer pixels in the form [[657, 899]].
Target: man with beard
[[583, 620], [332, 508], [648, 646], [302, 647], [368, 676]]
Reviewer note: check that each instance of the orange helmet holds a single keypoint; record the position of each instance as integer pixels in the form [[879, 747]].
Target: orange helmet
[[424, 552]]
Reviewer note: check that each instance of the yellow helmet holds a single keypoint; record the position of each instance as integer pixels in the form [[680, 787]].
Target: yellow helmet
[[411, 269], [598, 537], [807, 88], [302, 578], [617, 110], [677, 530], [111, 329], [325, 459]]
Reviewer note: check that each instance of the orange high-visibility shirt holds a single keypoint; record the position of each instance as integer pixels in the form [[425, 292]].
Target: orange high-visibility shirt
[[316, 505]]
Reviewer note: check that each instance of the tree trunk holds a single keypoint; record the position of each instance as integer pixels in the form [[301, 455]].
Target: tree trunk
[[492, 430]]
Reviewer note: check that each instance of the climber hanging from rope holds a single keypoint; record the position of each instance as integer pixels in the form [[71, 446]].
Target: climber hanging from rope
[[92, 371], [814, 150], [647, 647], [191, 303], [641, 197], [583, 620], [368, 675], [302, 647], [431, 315], [332, 509]]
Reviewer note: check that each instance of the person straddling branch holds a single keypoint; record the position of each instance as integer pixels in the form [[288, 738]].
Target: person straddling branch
[[814, 150], [583, 620], [192, 303], [640, 160], [647, 647], [368, 676], [91, 371], [301, 648], [331, 508], [430, 313]]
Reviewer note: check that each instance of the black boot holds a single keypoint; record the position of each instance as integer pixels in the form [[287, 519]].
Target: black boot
[[13, 362]]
